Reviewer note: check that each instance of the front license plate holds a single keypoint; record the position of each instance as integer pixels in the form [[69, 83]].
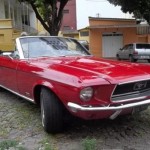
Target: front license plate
[[140, 108]]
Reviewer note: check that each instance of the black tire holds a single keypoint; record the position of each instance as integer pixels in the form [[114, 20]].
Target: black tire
[[132, 59], [148, 60], [51, 112]]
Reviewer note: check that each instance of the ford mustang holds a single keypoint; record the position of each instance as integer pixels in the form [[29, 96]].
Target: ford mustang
[[61, 76]]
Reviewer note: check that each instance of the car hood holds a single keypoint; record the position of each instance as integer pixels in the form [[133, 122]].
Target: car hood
[[83, 67]]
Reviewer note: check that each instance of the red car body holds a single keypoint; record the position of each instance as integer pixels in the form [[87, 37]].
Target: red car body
[[117, 87]]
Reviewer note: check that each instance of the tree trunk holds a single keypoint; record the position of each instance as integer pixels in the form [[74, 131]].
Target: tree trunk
[[53, 24]]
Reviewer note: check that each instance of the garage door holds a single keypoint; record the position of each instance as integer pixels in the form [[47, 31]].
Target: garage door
[[111, 43]]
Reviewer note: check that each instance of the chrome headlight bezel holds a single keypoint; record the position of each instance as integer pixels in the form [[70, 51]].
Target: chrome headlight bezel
[[86, 94]]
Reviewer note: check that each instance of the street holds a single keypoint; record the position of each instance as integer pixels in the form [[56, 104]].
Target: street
[[20, 121]]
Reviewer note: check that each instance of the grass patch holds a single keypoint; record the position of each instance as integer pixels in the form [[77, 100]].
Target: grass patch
[[7, 144], [27, 115], [10, 144], [45, 145], [89, 144], [3, 132]]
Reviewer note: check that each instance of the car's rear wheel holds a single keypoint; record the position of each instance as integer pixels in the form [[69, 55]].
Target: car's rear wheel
[[148, 60], [51, 112], [132, 59], [118, 57]]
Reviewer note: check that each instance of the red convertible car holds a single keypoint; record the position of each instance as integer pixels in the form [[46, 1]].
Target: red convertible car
[[61, 76]]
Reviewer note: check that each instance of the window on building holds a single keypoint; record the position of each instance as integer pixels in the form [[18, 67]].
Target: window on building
[[66, 11], [84, 33], [9, 10], [143, 30], [16, 15], [6, 5], [25, 19]]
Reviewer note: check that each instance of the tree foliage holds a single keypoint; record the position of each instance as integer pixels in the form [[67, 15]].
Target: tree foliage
[[140, 8], [49, 13]]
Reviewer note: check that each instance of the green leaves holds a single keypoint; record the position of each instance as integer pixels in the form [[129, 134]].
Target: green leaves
[[140, 8]]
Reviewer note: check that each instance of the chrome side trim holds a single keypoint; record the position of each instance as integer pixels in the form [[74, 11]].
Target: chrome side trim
[[27, 98], [77, 107]]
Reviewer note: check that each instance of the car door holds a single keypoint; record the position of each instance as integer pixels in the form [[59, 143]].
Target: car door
[[122, 53], [8, 67], [26, 78], [127, 51]]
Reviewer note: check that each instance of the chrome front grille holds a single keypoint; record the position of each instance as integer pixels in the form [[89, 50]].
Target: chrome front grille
[[132, 90]]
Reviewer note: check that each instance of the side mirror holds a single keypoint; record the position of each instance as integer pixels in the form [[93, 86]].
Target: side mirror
[[15, 55]]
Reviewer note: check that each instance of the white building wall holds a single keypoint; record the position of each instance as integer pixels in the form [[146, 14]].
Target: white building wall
[[22, 15]]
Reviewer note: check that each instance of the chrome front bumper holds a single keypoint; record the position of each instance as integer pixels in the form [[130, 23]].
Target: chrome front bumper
[[75, 107]]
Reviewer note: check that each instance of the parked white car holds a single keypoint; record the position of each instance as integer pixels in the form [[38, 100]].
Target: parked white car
[[134, 51]]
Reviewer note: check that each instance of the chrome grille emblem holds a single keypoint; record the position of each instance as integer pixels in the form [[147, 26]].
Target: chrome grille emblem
[[140, 85]]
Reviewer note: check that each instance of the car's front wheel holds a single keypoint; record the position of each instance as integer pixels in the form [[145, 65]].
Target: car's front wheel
[[51, 112]]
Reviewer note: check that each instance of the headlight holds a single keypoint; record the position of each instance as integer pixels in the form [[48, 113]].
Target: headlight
[[86, 94]]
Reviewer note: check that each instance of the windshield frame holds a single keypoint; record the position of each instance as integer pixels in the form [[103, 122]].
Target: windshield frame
[[28, 38]]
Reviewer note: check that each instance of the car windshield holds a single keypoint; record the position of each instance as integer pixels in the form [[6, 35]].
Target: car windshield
[[51, 47], [143, 46]]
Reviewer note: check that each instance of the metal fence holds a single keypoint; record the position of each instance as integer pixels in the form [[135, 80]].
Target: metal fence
[[25, 28]]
